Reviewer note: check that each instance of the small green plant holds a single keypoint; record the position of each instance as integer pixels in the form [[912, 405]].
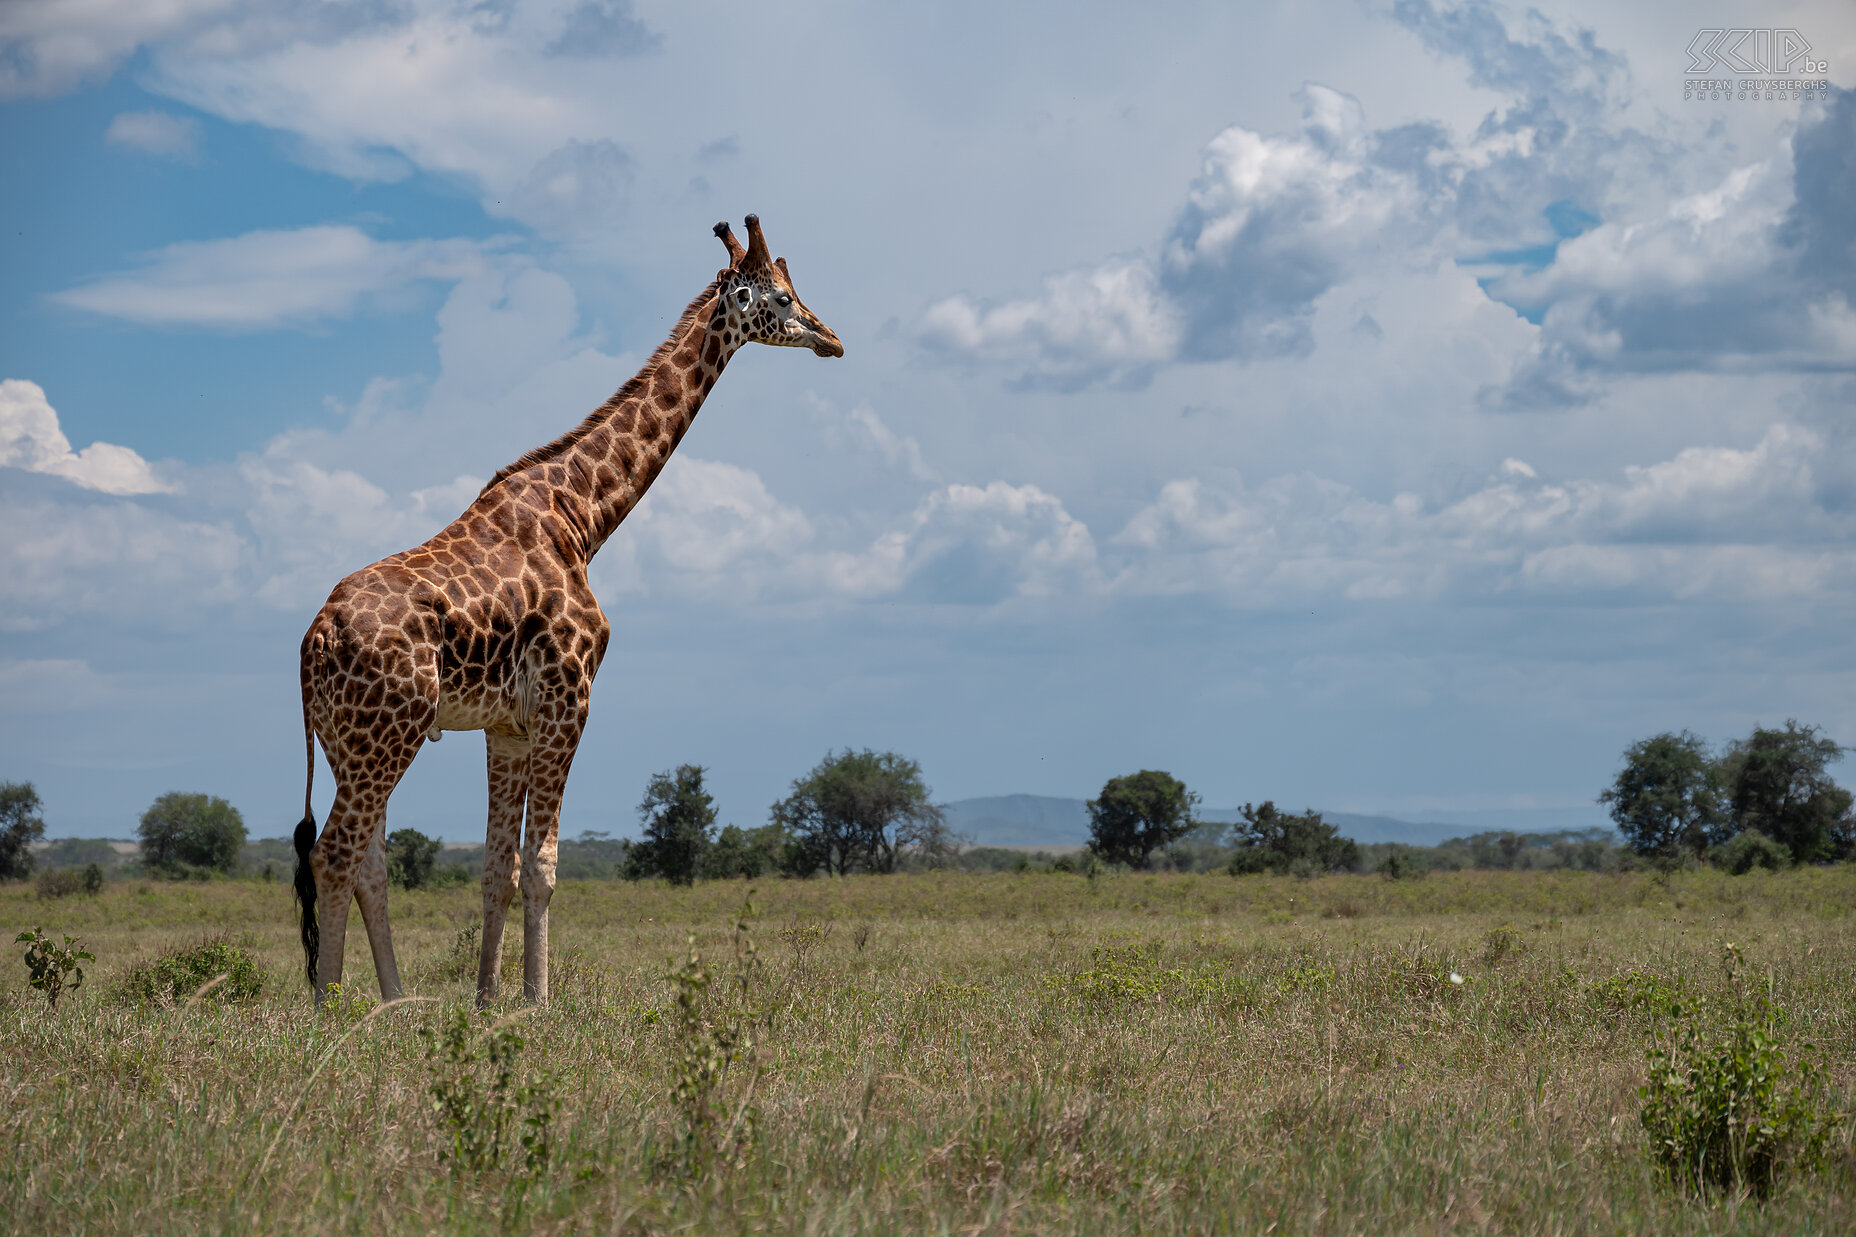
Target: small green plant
[[1723, 1112], [715, 1049], [485, 1116], [177, 975], [1633, 992], [53, 968], [460, 962], [1500, 943], [93, 879]]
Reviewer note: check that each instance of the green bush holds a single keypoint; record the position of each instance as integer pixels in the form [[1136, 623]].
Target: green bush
[[59, 883], [1719, 1112], [178, 974], [1750, 849]]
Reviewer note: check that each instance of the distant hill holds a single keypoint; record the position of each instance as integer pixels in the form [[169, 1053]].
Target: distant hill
[[1041, 820]]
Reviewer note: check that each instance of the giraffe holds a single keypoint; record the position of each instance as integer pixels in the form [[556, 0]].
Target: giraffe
[[490, 626]]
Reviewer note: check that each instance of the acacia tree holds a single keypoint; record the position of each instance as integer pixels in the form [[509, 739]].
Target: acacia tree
[[859, 812], [1138, 814], [200, 832], [1301, 844], [1668, 798], [412, 858], [1779, 783], [20, 826], [678, 817]]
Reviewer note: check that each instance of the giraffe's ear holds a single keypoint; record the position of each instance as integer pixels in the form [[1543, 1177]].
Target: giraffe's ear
[[784, 274], [727, 236]]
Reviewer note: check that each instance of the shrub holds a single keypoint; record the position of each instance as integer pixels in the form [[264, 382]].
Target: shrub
[[180, 973], [1750, 849], [59, 883], [93, 878], [1718, 1112], [53, 969]]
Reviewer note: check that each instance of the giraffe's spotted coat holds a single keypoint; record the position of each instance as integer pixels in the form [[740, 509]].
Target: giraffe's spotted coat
[[490, 626]]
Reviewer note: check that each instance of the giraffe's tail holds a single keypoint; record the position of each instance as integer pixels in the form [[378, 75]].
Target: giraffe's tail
[[305, 837]]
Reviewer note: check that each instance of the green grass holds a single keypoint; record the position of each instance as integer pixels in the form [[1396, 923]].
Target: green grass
[[989, 1053]]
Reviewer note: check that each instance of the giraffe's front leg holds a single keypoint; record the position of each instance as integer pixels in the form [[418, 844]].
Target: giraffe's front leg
[[549, 761], [508, 767]]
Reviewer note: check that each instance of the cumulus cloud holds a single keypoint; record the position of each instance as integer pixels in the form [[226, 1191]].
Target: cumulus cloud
[[1269, 225], [114, 559], [158, 133], [1725, 523], [447, 88], [30, 438], [50, 46], [1579, 221], [1108, 323], [310, 526], [267, 279], [975, 545], [1756, 272]]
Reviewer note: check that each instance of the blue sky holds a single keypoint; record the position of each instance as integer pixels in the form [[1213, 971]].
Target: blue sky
[[1391, 407]]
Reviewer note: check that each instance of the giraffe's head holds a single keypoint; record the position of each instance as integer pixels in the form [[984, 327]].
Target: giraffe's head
[[758, 298]]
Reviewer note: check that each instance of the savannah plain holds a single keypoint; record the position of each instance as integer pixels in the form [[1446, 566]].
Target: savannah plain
[[936, 1053]]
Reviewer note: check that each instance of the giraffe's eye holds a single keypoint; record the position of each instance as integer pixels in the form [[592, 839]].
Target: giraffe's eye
[[783, 300]]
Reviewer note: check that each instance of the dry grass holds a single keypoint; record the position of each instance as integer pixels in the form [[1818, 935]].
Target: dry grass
[[1009, 1053]]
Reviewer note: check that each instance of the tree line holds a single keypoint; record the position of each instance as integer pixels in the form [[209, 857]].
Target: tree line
[[1767, 800], [1764, 801]]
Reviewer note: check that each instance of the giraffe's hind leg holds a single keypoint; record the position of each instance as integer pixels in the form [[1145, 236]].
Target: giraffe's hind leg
[[370, 890], [349, 859]]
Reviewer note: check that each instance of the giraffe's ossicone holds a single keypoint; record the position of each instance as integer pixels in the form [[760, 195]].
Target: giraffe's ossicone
[[490, 626]]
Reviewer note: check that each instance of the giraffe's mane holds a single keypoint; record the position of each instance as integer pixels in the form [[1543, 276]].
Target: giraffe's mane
[[634, 387]]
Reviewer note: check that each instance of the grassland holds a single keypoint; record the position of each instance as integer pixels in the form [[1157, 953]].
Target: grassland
[[950, 1053]]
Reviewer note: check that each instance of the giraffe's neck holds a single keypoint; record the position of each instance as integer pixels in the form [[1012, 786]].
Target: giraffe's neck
[[600, 471]]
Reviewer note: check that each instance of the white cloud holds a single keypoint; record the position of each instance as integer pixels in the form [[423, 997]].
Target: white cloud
[[311, 526], [30, 438], [445, 87], [1106, 323], [267, 279], [1575, 217], [1713, 522], [49, 46], [977, 545], [114, 559], [156, 133]]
